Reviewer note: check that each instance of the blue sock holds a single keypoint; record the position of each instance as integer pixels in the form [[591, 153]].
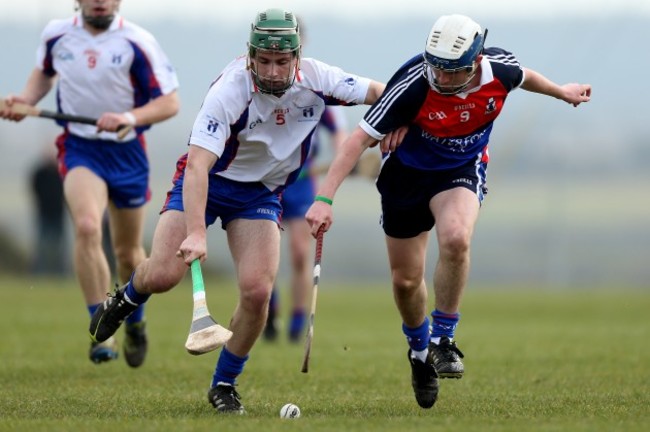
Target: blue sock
[[228, 368], [137, 298], [273, 303], [137, 315], [418, 337], [444, 324], [134, 296], [297, 322], [92, 308]]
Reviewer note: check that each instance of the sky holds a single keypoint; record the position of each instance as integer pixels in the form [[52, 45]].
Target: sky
[[347, 10]]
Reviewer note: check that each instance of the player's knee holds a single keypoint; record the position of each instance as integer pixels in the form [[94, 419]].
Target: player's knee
[[454, 242], [88, 228], [254, 295], [129, 257], [406, 283]]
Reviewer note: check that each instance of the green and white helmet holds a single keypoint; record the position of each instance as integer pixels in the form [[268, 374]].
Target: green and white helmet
[[274, 30]]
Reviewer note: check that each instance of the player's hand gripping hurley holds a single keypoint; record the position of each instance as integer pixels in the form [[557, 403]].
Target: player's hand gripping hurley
[[32, 111], [314, 295], [205, 333]]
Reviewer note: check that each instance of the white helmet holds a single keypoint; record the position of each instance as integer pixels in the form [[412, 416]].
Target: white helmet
[[454, 43]]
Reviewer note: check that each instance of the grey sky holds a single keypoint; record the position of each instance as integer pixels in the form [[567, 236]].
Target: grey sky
[[232, 13]]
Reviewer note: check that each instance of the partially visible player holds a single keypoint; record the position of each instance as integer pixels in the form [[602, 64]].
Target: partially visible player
[[108, 68], [447, 98], [296, 200]]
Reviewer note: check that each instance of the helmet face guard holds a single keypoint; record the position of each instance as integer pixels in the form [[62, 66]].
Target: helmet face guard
[[454, 44], [274, 31], [270, 83]]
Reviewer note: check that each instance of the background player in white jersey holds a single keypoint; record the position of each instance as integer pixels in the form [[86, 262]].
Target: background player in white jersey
[[110, 69], [249, 141], [296, 199], [447, 99]]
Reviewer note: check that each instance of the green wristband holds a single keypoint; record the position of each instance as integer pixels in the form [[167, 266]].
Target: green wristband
[[323, 199]]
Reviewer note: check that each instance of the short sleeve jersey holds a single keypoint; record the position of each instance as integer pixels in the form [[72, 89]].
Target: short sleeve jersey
[[261, 137], [114, 71], [444, 131]]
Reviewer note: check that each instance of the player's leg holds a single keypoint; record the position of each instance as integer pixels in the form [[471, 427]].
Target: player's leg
[[162, 271], [407, 220], [407, 262], [456, 211], [255, 248], [300, 242], [407, 257], [87, 197], [126, 228]]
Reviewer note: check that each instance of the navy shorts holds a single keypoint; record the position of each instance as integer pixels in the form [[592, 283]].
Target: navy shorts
[[123, 166], [228, 199], [297, 198], [406, 193]]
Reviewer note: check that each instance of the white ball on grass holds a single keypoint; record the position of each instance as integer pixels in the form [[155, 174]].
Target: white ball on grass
[[290, 411]]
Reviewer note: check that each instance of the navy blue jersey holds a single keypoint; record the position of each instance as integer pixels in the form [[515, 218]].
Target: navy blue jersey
[[444, 131]]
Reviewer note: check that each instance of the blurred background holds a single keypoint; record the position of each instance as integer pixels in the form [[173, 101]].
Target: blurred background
[[569, 188]]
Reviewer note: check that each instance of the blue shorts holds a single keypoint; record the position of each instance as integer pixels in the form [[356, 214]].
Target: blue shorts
[[123, 166], [406, 192], [297, 198], [228, 199]]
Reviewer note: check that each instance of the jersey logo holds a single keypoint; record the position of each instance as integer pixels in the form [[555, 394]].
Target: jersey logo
[[440, 115], [308, 112], [255, 123], [65, 56], [491, 106], [212, 126]]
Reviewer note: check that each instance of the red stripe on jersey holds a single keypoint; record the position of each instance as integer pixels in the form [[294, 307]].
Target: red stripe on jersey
[[297, 73], [60, 157]]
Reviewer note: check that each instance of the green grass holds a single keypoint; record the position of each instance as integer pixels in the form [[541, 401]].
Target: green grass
[[535, 360]]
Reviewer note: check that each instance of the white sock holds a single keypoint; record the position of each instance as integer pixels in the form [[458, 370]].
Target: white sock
[[436, 340], [128, 300], [420, 355]]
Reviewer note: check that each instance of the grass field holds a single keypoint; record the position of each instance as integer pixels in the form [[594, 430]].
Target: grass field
[[535, 360]]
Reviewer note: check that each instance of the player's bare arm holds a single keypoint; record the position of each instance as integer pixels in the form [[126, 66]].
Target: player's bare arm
[[320, 213], [37, 86], [155, 111], [572, 93], [195, 193], [374, 91]]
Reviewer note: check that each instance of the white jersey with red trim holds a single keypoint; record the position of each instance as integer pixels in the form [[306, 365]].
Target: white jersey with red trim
[[261, 137], [114, 71]]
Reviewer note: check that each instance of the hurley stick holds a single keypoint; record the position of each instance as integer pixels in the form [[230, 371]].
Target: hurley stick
[[205, 333]]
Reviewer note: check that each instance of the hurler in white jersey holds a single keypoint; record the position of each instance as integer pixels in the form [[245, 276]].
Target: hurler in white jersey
[[115, 71], [109, 69], [249, 141], [261, 136]]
